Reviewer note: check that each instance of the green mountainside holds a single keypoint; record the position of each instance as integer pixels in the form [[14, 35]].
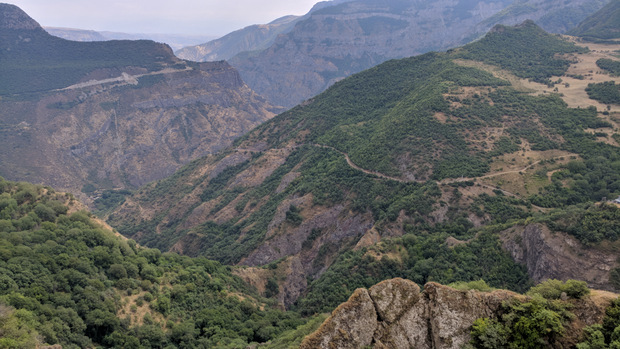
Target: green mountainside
[[603, 24], [494, 161], [455, 161], [65, 279]]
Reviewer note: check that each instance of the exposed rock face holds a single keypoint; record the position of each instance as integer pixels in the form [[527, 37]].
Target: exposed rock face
[[394, 314], [553, 16], [114, 114], [252, 38], [351, 325], [439, 317], [128, 131], [556, 255]]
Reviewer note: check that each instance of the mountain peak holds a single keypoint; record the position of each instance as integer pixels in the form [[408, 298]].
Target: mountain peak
[[13, 17]]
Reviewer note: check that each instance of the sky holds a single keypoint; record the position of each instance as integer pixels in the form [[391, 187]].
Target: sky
[[200, 17]]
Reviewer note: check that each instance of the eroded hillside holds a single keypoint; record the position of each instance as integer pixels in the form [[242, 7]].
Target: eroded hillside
[[341, 39]]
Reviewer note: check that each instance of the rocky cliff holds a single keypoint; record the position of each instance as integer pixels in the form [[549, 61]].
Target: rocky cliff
[[395, 314], [114, 114], [556, 255], [252, 38], [124, 132]]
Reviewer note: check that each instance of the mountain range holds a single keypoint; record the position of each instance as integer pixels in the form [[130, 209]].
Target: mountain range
[[477, 147], [84, 116], [338, 39], [490, 165], [175, 41]]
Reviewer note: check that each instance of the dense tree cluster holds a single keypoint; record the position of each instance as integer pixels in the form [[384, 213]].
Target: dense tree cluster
[[611, 66], [535, 323], [64, 279], [605, 92]]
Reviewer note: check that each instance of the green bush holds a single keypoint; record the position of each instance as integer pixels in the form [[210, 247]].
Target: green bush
[[553, 289], [534, 324]]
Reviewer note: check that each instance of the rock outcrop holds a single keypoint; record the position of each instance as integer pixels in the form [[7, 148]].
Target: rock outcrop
[[394, 314], [556, 255]]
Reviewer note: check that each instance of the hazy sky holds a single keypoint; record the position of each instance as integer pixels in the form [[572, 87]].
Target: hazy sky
[[206, 17]]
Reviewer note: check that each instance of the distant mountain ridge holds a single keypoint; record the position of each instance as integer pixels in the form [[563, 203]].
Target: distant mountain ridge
[[255, 37], [114, 114], [175, 41], [603, 24], [13, 18], [252, 38], [339, 40]]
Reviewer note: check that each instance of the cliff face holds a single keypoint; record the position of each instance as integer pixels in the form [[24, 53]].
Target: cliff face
[[114, 114], [337, 41], [394, 314], [254, 37], [553, 16], [556, 255], [124, 131]]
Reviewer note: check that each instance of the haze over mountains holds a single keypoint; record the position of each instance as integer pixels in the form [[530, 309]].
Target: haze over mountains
[[490, 165], [341, 38], [175, 41]]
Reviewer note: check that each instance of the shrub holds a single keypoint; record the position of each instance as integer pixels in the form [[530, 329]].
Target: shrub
[[553, 289]]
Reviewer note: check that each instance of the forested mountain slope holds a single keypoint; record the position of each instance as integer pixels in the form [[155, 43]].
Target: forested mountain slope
[[603, 24], [86, 116], [445, 158], [66, 279]]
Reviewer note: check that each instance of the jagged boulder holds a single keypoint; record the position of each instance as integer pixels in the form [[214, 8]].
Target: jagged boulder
[[351, 325], [394, 314]]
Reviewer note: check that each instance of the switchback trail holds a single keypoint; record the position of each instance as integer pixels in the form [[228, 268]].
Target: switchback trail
[[445, 181], [374, 173]]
